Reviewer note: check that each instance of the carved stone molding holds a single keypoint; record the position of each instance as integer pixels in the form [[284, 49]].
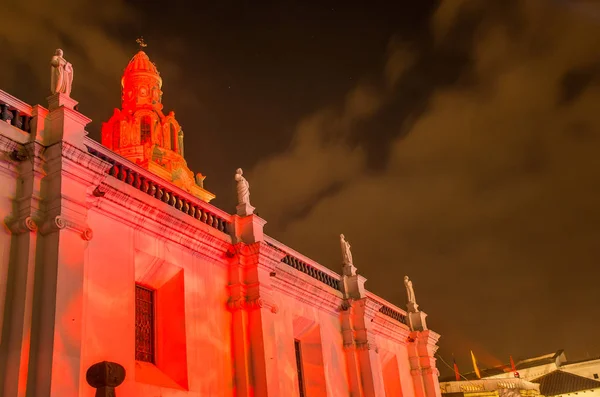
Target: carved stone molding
[[259, 303], [60, 222], [303, 288], [234, 304], [431, 371], [367, 346], [246, 303], [390, 329], [199, 238], [21, 225]]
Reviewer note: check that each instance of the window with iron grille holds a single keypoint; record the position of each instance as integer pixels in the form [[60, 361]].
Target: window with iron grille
[[299, 367], [144, 324]]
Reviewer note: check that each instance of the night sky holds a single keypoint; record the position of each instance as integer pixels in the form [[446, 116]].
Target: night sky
[[456, 143]]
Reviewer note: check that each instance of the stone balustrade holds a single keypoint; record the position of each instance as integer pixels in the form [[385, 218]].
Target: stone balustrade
[[396, 315], [154, 186], [15, 111], [389, 310], [315, 271]]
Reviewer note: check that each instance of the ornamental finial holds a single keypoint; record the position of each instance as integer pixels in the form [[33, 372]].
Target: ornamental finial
[[141, 42]]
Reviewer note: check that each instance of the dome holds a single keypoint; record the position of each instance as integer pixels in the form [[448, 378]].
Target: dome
[[141, 64]]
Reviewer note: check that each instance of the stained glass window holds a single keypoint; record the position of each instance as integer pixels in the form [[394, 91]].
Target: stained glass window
[[299, 367], [144, 324]]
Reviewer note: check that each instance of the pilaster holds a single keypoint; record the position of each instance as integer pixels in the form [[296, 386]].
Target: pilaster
[[253, 309], [21, 278], [72, 175], [64, 123], [362, 356], [422, 347]]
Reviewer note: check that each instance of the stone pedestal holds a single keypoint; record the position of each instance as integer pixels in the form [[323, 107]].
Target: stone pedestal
[[244, 209], [416, 321], [58, 100], [248, 229], [353, 287], [64, 123]]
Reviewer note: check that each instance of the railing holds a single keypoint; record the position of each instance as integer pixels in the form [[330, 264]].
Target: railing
[[314, 270], [15, 111], [159, 189], [388, 311]]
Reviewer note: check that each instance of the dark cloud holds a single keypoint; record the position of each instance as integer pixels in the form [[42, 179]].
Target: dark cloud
[[462, 151], [488, 199]]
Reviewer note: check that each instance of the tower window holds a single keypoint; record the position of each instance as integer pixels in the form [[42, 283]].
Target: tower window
[[595, 376], [144, 324], [145, 129], [173, 138], [299, 367]]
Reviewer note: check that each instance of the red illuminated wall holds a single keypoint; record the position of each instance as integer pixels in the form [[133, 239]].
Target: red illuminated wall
[[83, 226]]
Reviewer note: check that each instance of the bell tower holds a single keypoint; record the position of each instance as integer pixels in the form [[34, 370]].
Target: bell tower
[[143, 134]]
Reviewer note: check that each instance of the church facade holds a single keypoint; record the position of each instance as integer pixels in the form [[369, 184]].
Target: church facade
[[116, 271]]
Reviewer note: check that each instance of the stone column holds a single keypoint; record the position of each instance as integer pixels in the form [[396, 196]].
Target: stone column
[[72, 175], [251, 301], [422, 347], [362, 356], [21, 280]]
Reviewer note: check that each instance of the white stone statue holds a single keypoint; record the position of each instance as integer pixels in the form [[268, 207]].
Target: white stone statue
[[61, 77], [346, 253], [243, 188], [410, 292]]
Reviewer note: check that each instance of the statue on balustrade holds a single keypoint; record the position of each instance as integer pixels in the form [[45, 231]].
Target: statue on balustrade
[[243, 188], [61, 77], [346, 253], [412, 301]]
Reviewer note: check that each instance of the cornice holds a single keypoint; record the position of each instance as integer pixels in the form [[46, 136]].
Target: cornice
[[199, 238], [371, 305], [251, 303], [390, 329], [303, 288]]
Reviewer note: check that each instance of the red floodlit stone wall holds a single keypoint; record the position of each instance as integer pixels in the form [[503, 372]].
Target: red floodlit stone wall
[[84, 226]]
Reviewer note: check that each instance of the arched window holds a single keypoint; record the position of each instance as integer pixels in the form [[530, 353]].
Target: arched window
[[145, 129], [173, 138], [116, 135]]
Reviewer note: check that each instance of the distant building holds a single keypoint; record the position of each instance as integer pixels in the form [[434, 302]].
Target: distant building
[[553, 372], [490, 388], [560, 383], [536, 367], [112, 252]]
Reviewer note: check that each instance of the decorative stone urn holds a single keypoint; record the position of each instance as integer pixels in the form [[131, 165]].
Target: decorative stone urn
[[104, 377]]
